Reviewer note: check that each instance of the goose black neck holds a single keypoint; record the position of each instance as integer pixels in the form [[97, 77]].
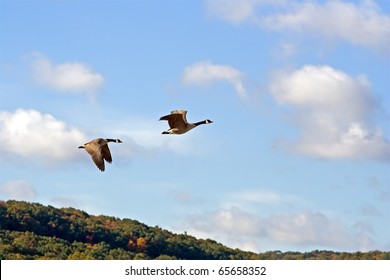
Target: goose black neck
[[199, 123]]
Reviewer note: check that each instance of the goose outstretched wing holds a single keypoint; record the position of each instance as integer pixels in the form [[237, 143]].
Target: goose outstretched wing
[[177, 119], [106, 154]]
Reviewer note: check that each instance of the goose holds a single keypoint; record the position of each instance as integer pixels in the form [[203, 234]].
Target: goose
[[99, 151], [178, 122]]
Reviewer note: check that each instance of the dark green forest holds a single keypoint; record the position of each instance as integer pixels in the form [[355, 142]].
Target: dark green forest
[[34, 231]]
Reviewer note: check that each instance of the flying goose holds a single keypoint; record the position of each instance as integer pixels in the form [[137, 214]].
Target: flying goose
[[99, 151], [178, 123]]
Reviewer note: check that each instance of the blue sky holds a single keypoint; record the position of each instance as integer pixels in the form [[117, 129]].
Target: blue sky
[[297, 157]]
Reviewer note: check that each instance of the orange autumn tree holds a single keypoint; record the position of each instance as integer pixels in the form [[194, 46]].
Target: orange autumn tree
[[137, 244]]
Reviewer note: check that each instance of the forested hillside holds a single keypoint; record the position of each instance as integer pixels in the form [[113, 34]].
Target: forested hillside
[[34, 231]]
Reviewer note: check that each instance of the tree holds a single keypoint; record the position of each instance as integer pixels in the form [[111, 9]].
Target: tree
[[34, 231]]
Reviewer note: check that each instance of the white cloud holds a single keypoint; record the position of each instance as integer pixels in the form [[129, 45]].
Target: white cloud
[[258, 197], [41, 137], [307, 228], [232, 10], [334, 114], [357, 23], [17, 189], [231, 221], [287, 50], [302, 230], [204, 73], [62, 201], [251, 199], [68, 77]]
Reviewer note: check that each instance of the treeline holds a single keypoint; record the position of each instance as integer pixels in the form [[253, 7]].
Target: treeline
[[34, 231]]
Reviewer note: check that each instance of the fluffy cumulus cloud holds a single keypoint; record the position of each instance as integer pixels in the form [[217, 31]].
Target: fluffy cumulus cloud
[[333, 114], [41, 137], [303, 230], [205, 72], [17, 189], [357, 23], [67, 77]]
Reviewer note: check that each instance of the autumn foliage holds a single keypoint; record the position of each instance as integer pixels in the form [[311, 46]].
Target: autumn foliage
[[34, 231]]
